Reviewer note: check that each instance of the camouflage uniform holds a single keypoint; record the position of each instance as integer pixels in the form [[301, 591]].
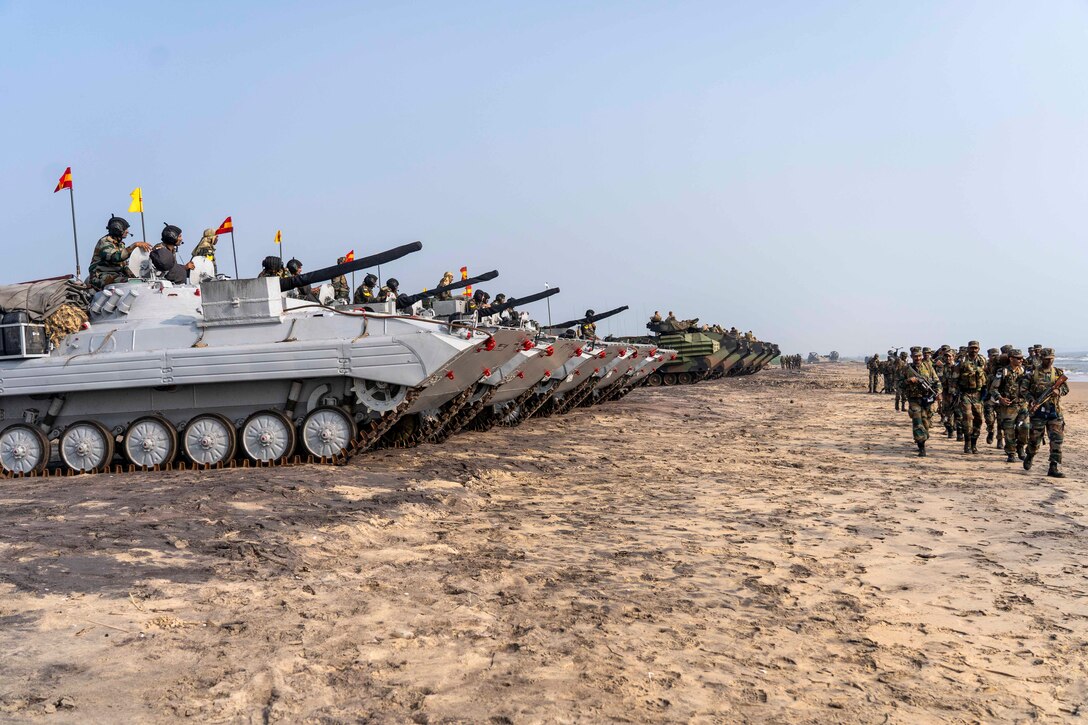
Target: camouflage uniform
[[108, 263], [1012, 408], [888, 368], [948, 392], [447, 278], [989, 408], [206, 246], [1048, 417], [970, 378], [919, 399], [874, 372], [363, 295], [385, 294], [341, 290], [897, 382], [588, 330]]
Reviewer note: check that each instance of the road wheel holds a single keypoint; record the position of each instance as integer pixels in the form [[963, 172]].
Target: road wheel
[[209, 439], [86, 446], [23, 449], [267, 435], [326, 432], [150, 441]]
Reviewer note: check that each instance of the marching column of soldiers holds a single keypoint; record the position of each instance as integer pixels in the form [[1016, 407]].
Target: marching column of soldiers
[[1015, 399]]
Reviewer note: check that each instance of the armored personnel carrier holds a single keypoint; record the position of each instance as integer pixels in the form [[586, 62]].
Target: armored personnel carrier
[[228, 369], [698, 352]]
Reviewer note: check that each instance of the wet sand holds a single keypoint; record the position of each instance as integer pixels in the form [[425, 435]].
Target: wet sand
[[763, 549]]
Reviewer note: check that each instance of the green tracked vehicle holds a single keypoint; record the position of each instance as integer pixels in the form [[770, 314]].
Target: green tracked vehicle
[[697, 353]]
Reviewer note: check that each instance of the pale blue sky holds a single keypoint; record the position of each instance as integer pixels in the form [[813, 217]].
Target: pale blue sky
[[829, 175]]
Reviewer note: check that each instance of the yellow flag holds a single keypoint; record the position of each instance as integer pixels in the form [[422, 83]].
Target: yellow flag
[[137, 200], [279, 236]]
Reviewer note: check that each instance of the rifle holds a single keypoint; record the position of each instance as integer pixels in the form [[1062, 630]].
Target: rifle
[[583, 320], [911, 372], [404, 300], [1041, 400]]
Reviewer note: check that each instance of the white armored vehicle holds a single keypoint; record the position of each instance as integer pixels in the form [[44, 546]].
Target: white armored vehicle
[[227, 369]]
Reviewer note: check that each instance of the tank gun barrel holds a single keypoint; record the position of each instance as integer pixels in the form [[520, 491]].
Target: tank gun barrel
[[324, 275], [409, 300], [590, 318], [519, 301]]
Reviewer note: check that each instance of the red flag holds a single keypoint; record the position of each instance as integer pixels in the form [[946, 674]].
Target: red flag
[[225, 228], [65, 180], [350, 256], [468, 289]]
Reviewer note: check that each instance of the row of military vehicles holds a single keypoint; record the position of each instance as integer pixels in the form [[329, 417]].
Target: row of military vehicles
[[224, 372]]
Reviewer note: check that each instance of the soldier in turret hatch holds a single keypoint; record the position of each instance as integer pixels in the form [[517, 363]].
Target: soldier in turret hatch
[[588, 329], [294, 267], [110, 254], [447, 278], [272, 266], [656, 317], [480, 302], [389, 290], [364, 293], [206, 246], [341, 291], [164, 256]]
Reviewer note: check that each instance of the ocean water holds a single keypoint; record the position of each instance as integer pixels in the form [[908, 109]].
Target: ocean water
[[1075, 364]]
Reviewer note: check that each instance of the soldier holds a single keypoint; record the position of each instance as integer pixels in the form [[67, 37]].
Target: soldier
[[110, 254], [206, 246], [989, 410], [922, 389], [364, 293], [656, 317], [889, 369], [874, 371], [672, 318], [949, 402], [970, 375], [447, 278], [897, 381], [164, 256], [1012, 409], [272, 266], [1048, 415], [480, 302], [341, 290], [588, 329], [389, 290], [294, 267]]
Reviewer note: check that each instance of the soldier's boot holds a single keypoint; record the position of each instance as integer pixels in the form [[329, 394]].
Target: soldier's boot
[[959, 434], [1020, 451], [974, 443], [1028, 458], [948, 429], [1000, 439], [1054, 471], [989, 436], [1010, 457], [897, 404], [966, 444], [921, 449]]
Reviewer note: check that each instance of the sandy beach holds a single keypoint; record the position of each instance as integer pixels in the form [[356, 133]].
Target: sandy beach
[[750, 550]]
